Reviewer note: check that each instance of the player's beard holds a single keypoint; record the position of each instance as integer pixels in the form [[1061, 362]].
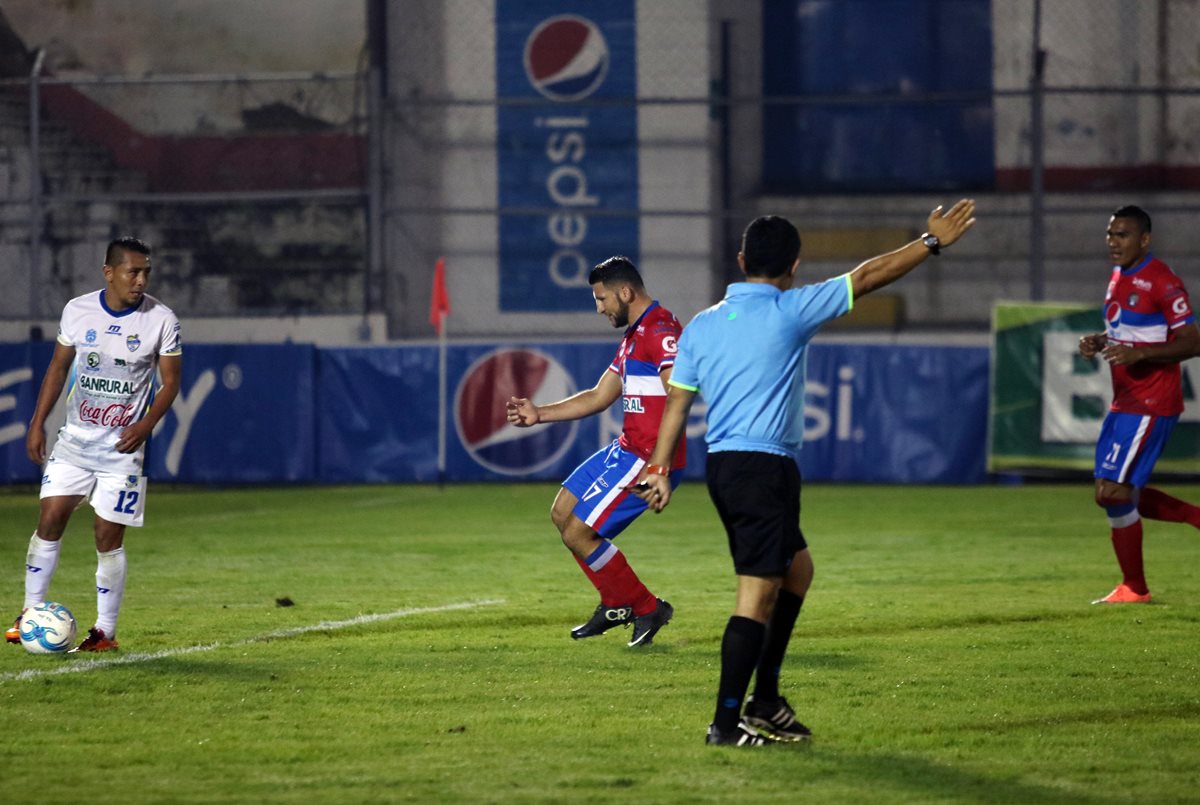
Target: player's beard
[[621, 319]]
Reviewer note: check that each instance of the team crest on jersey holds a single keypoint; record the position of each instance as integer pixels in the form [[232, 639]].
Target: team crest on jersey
[[1133, 299], [131, 482], [133, 342], [90, 337], [93, 360]]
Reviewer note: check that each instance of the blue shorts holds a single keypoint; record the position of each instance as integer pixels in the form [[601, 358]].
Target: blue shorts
[[599, 484], [1129, 446]]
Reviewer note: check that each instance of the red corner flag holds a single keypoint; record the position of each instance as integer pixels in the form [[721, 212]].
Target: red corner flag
[[439, 303]]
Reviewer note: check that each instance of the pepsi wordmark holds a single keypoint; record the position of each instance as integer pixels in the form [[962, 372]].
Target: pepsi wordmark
[[573, 153]]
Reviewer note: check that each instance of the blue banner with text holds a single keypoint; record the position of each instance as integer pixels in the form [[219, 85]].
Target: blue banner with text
[[296, 413], [566, 147]]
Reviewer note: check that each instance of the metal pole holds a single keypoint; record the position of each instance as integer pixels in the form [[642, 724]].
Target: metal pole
[[377, 56], [35, 187], [1037, 145], [374, 264], [1163, 74], [442, 401], [727, 226]]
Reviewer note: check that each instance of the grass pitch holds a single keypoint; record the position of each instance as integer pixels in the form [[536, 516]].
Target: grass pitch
[[947, 653]]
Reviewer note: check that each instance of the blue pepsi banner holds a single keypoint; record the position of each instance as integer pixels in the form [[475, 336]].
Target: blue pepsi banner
[[22, 367], [889, 414], [294, 413], [244, 414], [896, 414], [566, 144], [378, 415]]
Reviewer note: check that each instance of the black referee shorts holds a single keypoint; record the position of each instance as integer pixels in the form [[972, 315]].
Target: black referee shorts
[[758, 498]]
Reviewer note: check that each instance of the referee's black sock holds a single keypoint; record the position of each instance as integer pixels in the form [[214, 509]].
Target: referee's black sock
[[779, 631], [740, 649]]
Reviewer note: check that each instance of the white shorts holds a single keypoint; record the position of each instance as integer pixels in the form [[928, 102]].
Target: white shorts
[[116, 498]]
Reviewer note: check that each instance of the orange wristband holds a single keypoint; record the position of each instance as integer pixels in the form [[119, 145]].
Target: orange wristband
[[657, 469]]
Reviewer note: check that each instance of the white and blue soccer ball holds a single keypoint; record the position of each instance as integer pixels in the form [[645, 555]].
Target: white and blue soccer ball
[[48, 628]]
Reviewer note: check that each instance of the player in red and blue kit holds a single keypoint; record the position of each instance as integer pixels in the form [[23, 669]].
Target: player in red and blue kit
[[595, 503], [1150, 329]]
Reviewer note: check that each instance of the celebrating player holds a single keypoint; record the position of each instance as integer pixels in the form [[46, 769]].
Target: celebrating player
[[746, 355], [1150, 329], [594, 504], [110, 341]]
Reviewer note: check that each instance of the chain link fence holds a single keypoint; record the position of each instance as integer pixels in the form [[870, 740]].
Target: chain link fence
[[256, 190], [1097, 105]]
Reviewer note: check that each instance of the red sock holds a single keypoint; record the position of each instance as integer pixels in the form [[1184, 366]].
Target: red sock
[[1127, 544], [617, 584], [595, 580], [1158, 505]]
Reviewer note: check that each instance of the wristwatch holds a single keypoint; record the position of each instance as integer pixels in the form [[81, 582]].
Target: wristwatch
[[932, 243]]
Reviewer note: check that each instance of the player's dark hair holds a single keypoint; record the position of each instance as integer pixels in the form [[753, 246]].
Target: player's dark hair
[[118, 248], [617, 270], [770, 246], [1134, 213]]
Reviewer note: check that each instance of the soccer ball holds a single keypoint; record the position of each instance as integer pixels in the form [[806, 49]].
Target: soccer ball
[[48, 628]]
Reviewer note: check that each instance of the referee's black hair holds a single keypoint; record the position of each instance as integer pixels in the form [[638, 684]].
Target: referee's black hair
[[118, 248], [770, 246], [1134, 213], [617, 270]]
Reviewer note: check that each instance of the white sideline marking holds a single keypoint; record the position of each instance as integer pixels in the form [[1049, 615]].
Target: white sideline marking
[[79, 666]]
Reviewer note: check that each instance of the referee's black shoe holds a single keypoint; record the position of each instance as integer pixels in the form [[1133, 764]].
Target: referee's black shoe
[[603, 619], [645, 627], [777, 718], [741, 735]]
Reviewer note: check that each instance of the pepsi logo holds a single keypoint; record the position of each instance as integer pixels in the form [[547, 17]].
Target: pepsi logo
[[479, 413], [1112, 314], [566, 58]]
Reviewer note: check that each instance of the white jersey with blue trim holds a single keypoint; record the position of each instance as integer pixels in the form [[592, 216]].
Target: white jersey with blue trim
[[111, 384]]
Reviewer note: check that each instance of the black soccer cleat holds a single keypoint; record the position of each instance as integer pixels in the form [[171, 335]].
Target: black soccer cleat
[[603, 619], [741, 735], [776, 718], [645, 627]]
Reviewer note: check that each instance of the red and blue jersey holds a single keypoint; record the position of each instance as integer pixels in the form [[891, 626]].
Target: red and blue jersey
[[1146, 304], [649, 347]]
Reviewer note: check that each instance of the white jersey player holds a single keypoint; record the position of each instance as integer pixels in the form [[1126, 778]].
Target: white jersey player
[[111, 343]]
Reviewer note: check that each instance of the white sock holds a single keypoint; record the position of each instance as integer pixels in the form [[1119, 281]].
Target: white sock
[[40, 562], [110, 588]]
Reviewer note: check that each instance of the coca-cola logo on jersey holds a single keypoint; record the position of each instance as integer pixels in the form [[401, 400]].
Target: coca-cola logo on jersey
[[115, 415]]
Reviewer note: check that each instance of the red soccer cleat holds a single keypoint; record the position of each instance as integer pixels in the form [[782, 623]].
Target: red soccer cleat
[[1124, 595], [96, 640]]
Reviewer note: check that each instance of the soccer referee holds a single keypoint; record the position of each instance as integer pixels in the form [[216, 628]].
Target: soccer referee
[[746, 355]]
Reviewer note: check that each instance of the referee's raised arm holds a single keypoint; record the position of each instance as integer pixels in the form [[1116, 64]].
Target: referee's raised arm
[[942, 230]]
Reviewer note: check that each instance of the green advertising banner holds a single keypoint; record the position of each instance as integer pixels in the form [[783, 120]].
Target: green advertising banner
[[1047, 402]]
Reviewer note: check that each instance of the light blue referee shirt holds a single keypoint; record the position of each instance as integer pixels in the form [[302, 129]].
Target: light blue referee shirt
[[747, 355]]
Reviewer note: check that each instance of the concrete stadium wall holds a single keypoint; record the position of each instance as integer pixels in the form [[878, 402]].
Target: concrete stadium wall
[[444, 158]]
